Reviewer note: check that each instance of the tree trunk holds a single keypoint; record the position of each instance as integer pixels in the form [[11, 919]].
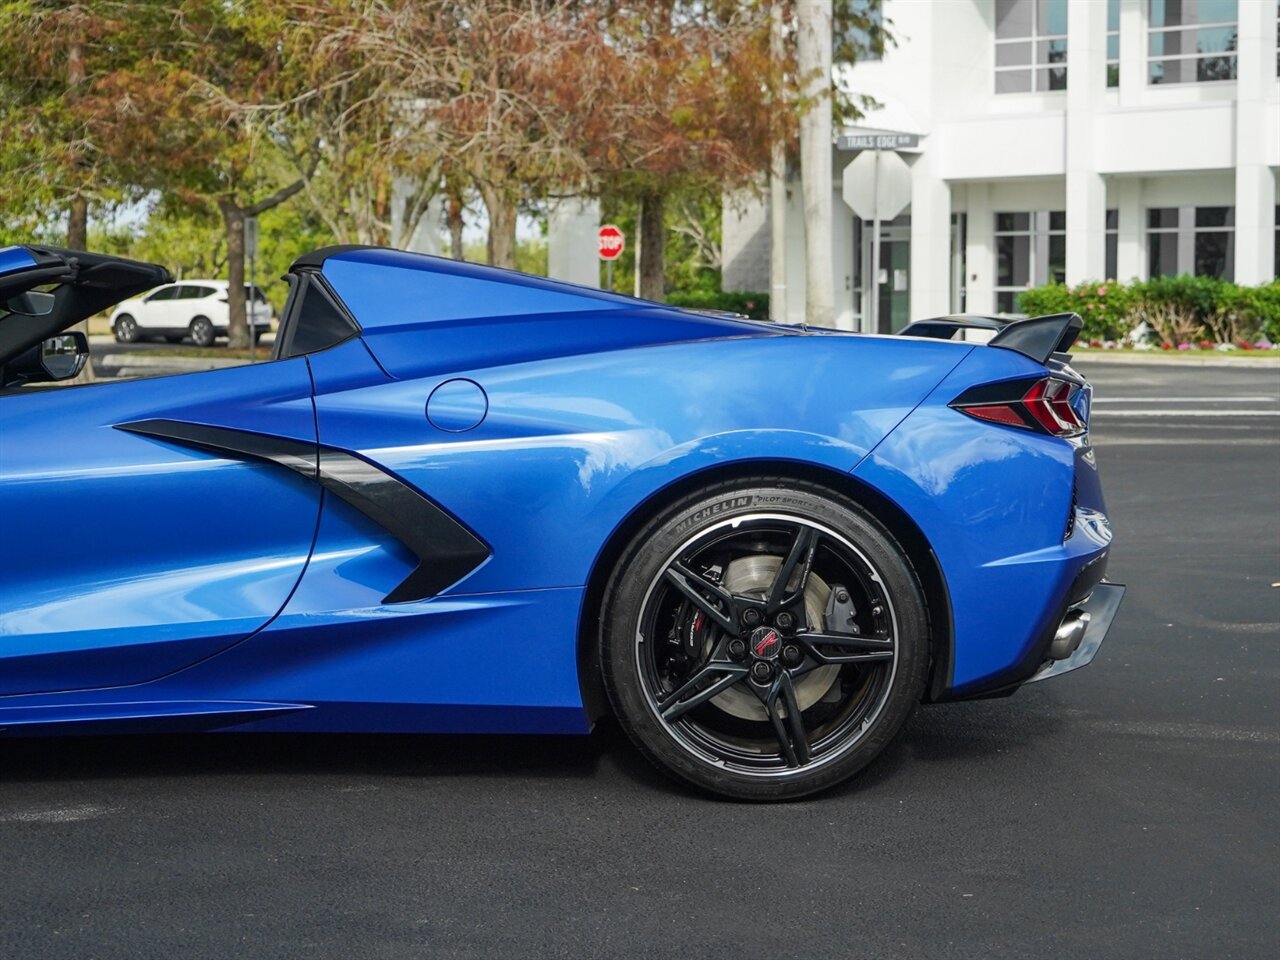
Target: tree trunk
[[238, 324], [813, 55], [650, 281], [78, 239], [78, 211], [777, 192], [502, 226], [78, 223], [454, 217]]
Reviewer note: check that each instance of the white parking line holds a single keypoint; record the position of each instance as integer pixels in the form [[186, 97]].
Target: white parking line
[[1185, 413], [1184, 400]]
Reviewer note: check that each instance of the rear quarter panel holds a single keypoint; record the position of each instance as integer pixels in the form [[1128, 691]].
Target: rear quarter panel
[[570, 446]]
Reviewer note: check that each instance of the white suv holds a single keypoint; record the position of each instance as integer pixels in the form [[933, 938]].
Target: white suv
[[193, 308]]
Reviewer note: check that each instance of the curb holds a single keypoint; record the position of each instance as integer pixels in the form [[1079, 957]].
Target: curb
[[168, 363], [1252, 363]]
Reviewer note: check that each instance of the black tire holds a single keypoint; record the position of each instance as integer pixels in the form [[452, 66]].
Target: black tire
[[201, 332], [125, 329], [703, 689]]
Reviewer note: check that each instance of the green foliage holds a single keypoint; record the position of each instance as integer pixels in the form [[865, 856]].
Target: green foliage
[[1104, 305], [192, 243], [1180, 309], [753, 305], [531, 256]]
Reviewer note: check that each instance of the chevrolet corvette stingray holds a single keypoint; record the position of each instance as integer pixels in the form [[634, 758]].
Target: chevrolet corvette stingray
[[462, 499]]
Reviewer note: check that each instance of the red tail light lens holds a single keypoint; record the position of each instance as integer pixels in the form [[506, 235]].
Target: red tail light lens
[[1041, 405]]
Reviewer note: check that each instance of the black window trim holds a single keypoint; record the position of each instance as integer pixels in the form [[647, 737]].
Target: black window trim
[[300, 282]]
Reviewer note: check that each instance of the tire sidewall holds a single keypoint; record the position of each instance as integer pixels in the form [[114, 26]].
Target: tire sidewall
[[651, 550]]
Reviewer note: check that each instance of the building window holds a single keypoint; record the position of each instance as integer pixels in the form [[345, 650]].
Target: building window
[[1031, 45], [1112, 244], [1196, 240], [1031, 249], [1191, 41], [1113, 42]]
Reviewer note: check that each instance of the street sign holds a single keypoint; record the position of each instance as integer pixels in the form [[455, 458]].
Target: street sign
[[877, 185], [251, 237], [612, 242], [878, 141]]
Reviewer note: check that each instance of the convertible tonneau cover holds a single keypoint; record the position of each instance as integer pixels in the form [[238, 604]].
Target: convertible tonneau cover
[[82, 284], [1036, 337]]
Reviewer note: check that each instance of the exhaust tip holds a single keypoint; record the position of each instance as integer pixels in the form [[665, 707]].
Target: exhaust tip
[[1066, 640]]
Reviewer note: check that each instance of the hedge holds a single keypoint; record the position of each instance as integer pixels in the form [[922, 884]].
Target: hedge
[[1181, 309], [753, 305]]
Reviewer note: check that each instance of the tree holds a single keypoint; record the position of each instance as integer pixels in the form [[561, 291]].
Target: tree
[[353, 135], [477, 77], [49, 158], [693, 102], [191, 118], [813, 63], [51, 56]]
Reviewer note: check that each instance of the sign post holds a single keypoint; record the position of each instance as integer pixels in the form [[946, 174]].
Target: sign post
[[877, 186], [251, 251], [612, 241]]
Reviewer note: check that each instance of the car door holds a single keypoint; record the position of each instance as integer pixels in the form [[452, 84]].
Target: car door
[[149, 524], [155, 309], [201, 301]]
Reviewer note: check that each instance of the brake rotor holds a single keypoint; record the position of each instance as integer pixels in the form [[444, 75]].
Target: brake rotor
[[752, 576]]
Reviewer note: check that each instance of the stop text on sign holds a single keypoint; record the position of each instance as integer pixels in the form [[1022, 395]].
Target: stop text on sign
[[612, 242]]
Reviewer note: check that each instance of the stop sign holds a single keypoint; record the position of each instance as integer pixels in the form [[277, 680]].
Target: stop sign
[[612, 242]]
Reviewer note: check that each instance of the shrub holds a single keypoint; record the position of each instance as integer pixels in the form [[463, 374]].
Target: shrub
[[1181, 309], [1263, 304], [753, 305], [1176, 308], [1104, 305]]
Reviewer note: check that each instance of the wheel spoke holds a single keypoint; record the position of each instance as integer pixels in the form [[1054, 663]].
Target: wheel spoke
[[696, 588], [799, 739], [861, 649], [790, 731], [681, 702], [800, 556]]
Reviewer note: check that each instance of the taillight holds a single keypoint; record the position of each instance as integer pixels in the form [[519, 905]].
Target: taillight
[[1046, 405]]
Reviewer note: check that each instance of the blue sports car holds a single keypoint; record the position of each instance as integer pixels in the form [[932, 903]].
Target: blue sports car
[[462, 499]]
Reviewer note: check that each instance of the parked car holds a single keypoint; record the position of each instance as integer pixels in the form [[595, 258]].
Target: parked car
[[195, 310], [462, 499]]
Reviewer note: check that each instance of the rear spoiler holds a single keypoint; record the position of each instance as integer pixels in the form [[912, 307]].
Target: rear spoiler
[[1038, 338]]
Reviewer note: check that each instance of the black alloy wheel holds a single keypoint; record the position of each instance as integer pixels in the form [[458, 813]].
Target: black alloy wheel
[[125, 329], [764, 640]]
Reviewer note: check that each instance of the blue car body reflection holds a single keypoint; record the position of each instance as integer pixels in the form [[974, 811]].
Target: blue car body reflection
[[213, 549]]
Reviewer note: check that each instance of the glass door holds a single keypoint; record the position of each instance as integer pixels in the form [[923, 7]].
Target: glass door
[[894, 292]]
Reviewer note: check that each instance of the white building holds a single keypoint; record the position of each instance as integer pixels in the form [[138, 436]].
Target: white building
[[1057, 139]]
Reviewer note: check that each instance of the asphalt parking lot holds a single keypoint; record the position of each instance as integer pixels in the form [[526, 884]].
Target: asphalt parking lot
[[1128, 810]]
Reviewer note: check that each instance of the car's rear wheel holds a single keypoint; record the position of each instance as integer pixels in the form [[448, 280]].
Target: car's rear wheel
[[125, 329], [763, 640], [201, 332]]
